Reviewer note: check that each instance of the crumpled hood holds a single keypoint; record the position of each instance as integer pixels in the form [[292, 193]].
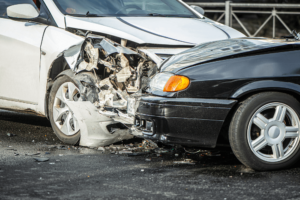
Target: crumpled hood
[[156, 30], [219, 49]]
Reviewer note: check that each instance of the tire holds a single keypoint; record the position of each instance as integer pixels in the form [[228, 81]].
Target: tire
[[264, 131], [68, 137]]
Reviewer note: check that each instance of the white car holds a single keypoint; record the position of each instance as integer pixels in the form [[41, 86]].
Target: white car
[[78, 61]]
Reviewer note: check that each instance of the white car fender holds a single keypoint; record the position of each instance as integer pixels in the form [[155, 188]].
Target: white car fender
[[55, 42]]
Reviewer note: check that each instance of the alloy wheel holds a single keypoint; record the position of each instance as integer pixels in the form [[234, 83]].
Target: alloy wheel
[[273, 132], [62, 114]]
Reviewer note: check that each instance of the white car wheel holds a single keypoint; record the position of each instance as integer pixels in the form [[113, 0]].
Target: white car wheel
[[62, 115], [63, 121]]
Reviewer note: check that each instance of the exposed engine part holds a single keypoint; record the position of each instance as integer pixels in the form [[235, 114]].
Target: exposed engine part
[[92, 55], [120, 71]]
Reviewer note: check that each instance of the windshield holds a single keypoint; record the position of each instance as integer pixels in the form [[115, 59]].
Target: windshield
[[102, 8]]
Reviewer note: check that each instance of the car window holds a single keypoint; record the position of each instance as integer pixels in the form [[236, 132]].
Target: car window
[[5, 3], [166, 8]]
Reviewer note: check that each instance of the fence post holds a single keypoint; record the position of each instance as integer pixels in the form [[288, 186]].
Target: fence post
[[228, 15], [274, 21]]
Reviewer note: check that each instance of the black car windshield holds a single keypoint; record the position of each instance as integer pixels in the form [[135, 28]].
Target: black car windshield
[[103, 8]]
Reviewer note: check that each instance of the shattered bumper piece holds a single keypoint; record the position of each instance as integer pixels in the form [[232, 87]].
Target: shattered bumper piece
[[93, 126]]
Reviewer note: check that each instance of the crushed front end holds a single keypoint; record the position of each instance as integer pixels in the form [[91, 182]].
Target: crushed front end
[[108, 75]]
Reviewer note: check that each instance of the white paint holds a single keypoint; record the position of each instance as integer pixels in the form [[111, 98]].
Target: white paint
[[55, 42], [56, 14], [154, 30], [24, 11], [20, 59]]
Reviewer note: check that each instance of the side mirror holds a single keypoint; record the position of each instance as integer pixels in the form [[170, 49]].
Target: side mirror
[[198, 9], [22, 11]]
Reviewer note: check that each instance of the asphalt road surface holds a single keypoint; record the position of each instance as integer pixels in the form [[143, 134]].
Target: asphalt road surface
[[83, 173]]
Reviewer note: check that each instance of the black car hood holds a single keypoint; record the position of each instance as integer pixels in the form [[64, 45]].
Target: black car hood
[[211, 51]]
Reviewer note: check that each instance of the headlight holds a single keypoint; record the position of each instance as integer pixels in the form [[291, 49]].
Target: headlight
[[169, 82]]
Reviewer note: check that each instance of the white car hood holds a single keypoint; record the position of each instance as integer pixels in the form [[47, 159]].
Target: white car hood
[[156, 30]]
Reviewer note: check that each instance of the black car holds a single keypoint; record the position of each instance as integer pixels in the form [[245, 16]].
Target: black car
[[244, 90]]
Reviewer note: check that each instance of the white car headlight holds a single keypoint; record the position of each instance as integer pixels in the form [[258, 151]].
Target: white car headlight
[[159, 81]]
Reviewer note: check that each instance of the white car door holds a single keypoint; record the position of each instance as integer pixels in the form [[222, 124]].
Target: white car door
[[20, 53]]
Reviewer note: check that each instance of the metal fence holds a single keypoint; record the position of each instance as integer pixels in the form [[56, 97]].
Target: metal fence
[[229, 13]]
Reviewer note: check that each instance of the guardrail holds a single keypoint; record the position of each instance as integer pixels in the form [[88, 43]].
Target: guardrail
[[229, 13]]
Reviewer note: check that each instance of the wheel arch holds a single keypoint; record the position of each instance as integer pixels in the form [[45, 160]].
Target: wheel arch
[[81, 79], [58, 66]]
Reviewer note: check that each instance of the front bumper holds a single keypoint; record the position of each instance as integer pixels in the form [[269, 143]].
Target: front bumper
[[186, 121]]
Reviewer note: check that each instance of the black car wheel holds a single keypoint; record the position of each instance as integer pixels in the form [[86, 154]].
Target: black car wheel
[[264, 132], [63, 122]]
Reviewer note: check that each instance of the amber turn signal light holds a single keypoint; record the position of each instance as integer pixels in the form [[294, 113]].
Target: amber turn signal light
[[176, 83]]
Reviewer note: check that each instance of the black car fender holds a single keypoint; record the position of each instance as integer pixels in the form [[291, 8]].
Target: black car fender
[[266, 85]]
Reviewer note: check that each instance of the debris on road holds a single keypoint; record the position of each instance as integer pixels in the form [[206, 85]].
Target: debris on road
[[41, 159], [101, 149], [11, 135], [186, 161], [211, 153], [62, 147], [32, 154], [246, 170], [125, 152]]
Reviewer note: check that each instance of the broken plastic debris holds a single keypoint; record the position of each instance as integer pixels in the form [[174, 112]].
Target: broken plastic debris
[[213, 154], [41, 159], [148, 159], [32, 154], [125, 152], [149, 144], [61, 147], [246, 170], [11, 135], [186, 161], [161, 151], [101, 149]]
